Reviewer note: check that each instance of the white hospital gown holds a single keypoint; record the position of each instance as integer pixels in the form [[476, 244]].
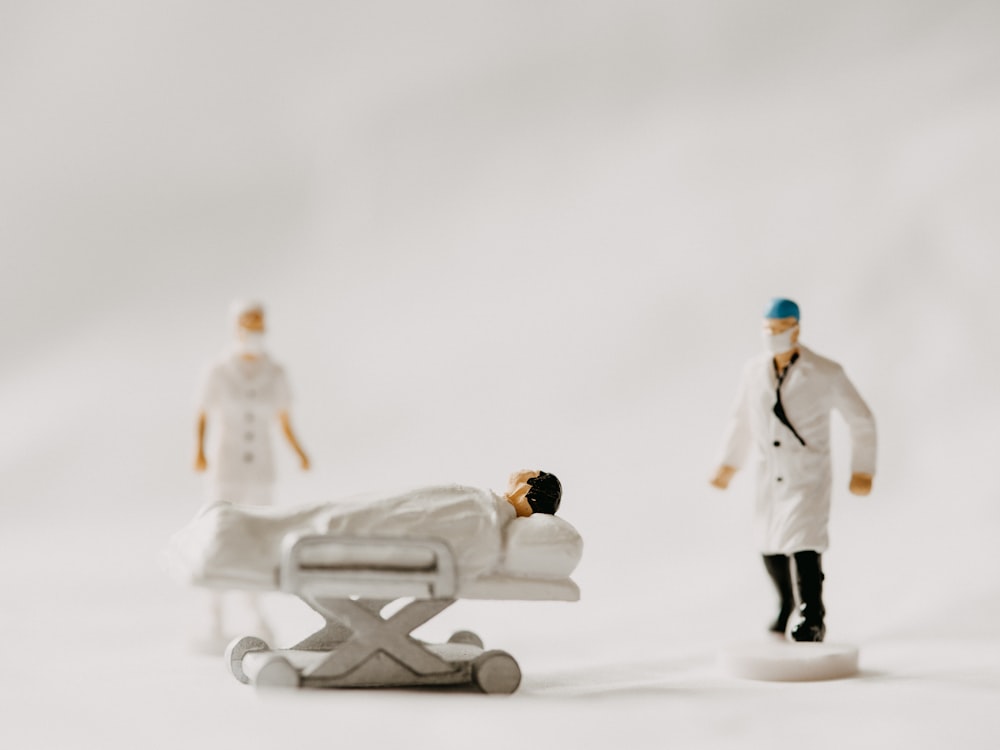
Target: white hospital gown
[[242, 398]]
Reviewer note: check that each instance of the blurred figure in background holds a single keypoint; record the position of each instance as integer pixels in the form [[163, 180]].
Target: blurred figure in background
[[242, 393]]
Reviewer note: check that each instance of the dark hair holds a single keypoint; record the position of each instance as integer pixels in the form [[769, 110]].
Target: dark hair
[[545, 493]]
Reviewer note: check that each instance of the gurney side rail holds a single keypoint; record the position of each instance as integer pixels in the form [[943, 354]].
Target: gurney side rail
[[371, 567]]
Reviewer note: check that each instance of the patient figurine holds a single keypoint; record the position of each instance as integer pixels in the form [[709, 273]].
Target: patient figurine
[[233, 546]]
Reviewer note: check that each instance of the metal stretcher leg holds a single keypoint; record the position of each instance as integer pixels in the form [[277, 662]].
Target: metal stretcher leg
[[370, 633]]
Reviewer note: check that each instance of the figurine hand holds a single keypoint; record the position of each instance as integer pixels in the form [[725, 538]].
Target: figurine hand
[[861, 484], [200, 464], [722, 477]]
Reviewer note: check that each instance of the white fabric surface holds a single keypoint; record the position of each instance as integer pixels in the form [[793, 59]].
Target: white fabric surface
[[795, 481]]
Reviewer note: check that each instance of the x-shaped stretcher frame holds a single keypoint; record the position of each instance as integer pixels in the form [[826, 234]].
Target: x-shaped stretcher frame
[[369, 633], [358, 646]]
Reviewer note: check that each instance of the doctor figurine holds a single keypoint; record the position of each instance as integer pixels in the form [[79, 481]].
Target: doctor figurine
[[242, 395], [783, 411]]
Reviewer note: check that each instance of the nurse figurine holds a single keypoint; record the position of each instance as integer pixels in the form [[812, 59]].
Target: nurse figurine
[[783, 411], [242, 395], [244, 392]]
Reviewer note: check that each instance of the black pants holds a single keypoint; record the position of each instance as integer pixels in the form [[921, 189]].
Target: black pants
[[810, 585]]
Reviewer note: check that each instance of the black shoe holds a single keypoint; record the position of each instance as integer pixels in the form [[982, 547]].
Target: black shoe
[[810, 627], [809, 632], [780, 625], [779, 571]]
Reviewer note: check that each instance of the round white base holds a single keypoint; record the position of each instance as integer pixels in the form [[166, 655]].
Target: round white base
[[787, 661]]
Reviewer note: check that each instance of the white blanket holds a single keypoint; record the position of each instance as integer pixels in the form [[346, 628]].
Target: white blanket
[[230, 546]]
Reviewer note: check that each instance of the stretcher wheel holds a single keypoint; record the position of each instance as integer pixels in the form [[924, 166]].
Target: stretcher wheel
[[277, 671], [496, 672], [235, 652], [466, 637]]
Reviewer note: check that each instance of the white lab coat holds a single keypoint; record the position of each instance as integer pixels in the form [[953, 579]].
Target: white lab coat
[[794, 481], [242, 398]]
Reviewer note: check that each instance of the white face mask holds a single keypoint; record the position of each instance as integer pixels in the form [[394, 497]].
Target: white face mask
[[779, 343], [250, 342]]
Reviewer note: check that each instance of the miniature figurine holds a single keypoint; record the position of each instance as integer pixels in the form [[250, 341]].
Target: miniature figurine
[[244, 391], [239, 547], [348, 560], [783, 408]]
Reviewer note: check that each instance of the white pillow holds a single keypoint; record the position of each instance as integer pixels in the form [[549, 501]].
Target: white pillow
[[541, 546]]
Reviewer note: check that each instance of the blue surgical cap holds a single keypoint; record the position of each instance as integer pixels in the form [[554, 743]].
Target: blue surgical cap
[[780, 307]]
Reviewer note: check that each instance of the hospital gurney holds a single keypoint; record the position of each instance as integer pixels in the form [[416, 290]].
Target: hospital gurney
[[350, 581]]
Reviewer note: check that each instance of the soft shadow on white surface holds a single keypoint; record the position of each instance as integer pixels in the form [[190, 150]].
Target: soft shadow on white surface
[[494, 236]]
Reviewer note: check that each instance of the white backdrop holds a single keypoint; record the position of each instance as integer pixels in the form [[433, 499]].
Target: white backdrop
[[495, 236]]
